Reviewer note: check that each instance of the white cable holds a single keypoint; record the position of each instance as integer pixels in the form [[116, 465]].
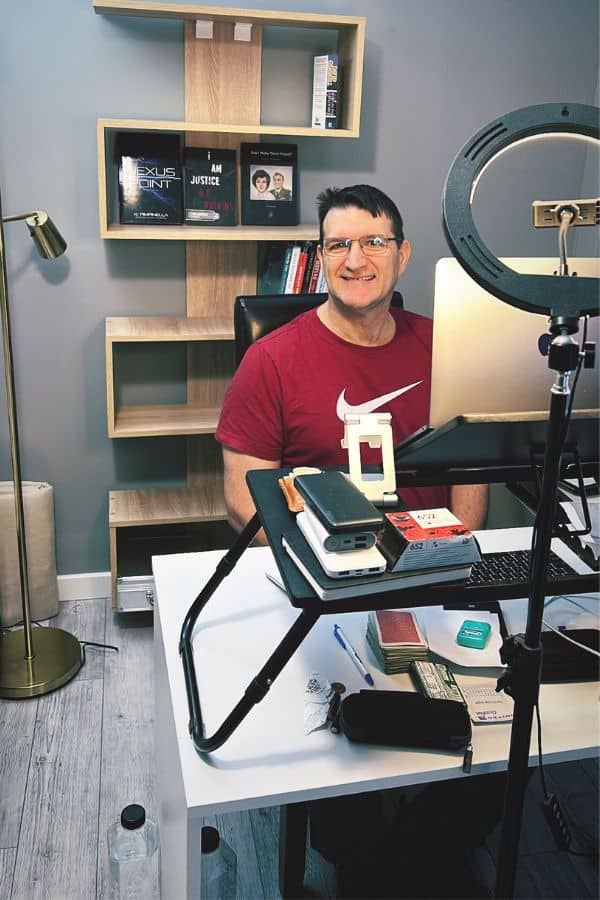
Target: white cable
[[570, 640]]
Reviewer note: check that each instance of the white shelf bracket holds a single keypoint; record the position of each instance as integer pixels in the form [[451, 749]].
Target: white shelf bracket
[[204, 29], [242, 31]]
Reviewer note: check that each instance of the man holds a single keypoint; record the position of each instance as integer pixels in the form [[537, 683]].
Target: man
[[285, 407], [278, 191], [286, 403]]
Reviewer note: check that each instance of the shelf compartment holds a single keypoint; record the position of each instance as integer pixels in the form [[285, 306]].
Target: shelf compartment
[[209, 365], [154, 521], [351, 42]]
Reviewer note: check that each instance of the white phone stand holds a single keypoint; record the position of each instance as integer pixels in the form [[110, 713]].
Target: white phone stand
[[376, 429]]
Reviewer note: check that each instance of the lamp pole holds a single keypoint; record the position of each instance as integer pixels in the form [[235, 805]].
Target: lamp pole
[[14, 448], [41, 662]]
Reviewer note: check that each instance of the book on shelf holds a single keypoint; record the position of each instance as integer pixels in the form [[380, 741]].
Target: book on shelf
[[150, 178], [285, 268], [314, 275], [426, 538], [301, 268], [311, 249], [291, 275], [269, 179], [328, 588], [209, 186], [326, 97], [270, 256], [273, 265]]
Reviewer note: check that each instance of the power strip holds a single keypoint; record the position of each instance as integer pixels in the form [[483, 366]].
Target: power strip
[[557, 822]]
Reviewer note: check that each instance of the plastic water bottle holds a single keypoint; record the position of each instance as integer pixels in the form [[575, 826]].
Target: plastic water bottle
[[133, 856], [218, 867]]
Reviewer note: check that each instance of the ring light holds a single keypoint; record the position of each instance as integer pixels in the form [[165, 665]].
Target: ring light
[[535, 293]]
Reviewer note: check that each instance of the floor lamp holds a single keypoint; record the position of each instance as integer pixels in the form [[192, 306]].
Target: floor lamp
[[32, 661]]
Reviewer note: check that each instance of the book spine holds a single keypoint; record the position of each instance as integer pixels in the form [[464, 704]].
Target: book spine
[[285, 268], [312, 250], [289, 285], [319, 97], [300, 270], [332, 102], [314, 276], [321, 284]]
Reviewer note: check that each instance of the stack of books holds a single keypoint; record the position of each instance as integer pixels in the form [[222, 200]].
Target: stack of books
[[396, 639]]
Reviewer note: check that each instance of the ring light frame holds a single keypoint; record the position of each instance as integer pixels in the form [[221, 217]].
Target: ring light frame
[[534, 293]]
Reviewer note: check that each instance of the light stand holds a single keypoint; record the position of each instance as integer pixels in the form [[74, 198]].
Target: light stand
[[32, 661], [565, 300]]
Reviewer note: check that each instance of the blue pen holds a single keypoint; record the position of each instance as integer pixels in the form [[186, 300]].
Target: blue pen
[[347, 646]]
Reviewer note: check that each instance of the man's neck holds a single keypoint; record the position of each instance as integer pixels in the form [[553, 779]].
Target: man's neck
[[367, 328]]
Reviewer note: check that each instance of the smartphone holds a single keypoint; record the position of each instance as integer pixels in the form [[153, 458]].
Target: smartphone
[[338, 503]]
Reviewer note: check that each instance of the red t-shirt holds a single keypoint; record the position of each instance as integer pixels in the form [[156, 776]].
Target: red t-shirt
[[288, 397]]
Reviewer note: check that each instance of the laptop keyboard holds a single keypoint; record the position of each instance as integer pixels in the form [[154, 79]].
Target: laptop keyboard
[[513, 565]]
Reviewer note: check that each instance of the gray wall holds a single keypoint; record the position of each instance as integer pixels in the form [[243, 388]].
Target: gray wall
[[435, 72]]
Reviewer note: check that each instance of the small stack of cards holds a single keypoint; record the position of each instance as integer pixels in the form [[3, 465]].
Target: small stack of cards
[[396, 639]]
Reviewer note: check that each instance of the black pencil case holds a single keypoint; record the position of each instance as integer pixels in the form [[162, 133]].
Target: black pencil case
[[405, 719]]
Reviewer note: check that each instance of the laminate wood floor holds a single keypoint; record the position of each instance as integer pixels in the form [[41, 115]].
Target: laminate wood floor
[[71, 760]]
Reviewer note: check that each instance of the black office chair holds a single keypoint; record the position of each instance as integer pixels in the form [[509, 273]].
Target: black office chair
[[255, 316]]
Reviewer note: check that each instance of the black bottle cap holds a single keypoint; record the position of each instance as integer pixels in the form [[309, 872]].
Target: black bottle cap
[[210, 839], [133, 816]]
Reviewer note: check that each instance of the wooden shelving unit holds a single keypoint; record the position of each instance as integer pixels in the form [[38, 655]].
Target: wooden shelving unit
[[222, 109]]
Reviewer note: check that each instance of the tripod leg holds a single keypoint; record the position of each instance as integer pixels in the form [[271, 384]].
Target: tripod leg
[[525, 654]]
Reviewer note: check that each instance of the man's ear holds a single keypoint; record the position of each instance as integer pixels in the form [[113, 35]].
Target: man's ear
[[405, 249]]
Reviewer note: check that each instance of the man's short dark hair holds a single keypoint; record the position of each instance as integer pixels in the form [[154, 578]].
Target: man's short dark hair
[[260, 173], [363, 196]]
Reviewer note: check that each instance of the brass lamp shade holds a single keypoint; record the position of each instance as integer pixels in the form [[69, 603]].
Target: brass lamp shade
[[47, 238]]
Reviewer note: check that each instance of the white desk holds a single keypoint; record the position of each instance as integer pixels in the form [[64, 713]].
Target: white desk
[[269, 760]]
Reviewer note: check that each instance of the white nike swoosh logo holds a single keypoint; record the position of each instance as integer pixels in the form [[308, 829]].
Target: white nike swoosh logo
[[369, 406]]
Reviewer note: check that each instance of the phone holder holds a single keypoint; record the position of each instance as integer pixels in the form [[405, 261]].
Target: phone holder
[[376, 429]]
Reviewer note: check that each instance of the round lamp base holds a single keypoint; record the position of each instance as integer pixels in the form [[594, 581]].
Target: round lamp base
[[57, 659]]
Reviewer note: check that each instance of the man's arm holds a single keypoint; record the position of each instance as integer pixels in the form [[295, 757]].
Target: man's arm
[[240, 507], [469, 503]]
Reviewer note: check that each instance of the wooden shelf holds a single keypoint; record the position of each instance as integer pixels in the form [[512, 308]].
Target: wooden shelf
[[212, 128], [168, 328], [221, 14], [163, 421], [199, 233], [164, 506]]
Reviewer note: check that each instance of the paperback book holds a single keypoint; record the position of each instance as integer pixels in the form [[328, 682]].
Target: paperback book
[[209, 186], [269, 184], [326, 105], [150, 179]]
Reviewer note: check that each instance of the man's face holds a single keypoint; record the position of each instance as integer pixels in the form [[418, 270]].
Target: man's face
[[358, 281], [277, 182], [261, 185]]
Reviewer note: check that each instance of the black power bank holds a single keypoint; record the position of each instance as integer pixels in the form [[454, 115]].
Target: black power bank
[[338, 503]]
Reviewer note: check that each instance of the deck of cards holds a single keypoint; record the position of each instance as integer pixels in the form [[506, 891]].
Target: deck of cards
[[396, 639]]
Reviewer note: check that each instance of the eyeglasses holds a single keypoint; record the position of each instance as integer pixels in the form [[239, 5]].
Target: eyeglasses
[[370, 244]]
